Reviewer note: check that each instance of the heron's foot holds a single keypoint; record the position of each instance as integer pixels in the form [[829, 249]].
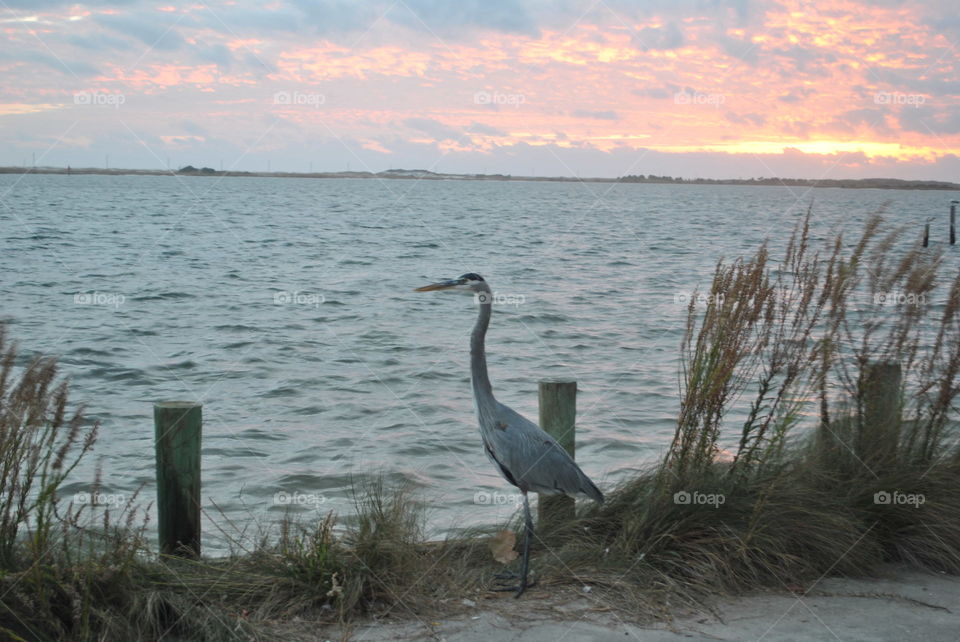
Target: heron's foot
[[511, 581], [519, 588]]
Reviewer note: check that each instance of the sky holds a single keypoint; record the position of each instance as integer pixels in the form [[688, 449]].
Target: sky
[[604, 88]]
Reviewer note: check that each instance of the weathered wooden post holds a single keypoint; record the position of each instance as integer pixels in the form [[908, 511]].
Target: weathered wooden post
[[177, 426], [926, 234], [558, 416], [953, 222], [880, 426]]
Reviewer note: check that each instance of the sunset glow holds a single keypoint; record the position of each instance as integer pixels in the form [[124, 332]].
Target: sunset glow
[[738, 89]]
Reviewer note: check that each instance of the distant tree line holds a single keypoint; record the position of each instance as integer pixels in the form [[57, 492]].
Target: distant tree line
[[876, 183]]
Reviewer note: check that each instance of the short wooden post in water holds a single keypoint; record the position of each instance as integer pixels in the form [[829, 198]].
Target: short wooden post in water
[[177, 426], [880, 429], [558, 416], [926, 234], [953, 222]]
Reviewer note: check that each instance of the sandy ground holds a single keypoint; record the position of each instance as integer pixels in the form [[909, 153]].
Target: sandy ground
[[901, 604]]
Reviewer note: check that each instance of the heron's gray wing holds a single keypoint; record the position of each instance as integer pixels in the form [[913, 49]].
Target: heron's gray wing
[[532, 460]]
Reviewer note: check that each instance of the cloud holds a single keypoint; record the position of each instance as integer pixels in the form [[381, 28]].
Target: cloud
[[796, 128], [441, 18], [73, 67], [926, 81], [597, 115], [334, 16], [740, 48], [736, 13], [757, 120], [849, 121], [193, 128], [98, 42], [654, 38], [486, 130], [445, 17], [265, 20], [796, 95], [217, 53], [156, 36], [36, 5], [809, 61], [927, 120], [257, 64], [658, 93], [433, 128]]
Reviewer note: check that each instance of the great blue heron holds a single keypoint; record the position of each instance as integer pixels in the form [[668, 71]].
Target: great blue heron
[[525, 455]]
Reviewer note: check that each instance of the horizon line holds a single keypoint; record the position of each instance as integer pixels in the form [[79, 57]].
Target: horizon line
[[423, 174]]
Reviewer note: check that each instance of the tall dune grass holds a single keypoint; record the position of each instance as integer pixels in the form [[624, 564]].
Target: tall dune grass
[[803, 495]]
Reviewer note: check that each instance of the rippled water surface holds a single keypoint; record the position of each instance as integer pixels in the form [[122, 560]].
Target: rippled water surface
[[286, 307]]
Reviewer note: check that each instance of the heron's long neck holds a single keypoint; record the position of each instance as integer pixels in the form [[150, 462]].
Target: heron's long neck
[[482, 390]]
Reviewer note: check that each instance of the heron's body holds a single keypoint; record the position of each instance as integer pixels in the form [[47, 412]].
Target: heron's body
[[533, 461], [524, 454]]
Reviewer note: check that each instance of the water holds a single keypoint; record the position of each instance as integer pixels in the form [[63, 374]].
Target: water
[[286, 307]]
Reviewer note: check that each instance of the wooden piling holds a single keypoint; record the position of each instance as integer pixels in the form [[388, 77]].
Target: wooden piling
[[926, 234], [558, 414], [880, 423], [953, 222], [177, 426]]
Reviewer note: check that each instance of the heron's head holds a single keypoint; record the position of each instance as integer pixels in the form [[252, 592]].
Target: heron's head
[[470, 283]]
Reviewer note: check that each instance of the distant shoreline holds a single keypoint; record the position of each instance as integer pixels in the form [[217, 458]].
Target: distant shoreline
[[415, 174]]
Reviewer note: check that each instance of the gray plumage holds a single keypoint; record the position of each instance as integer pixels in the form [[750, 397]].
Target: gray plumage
[[525, 455]]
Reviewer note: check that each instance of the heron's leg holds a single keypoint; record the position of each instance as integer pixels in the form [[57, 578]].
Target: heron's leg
[[525, 569], [525, 562]]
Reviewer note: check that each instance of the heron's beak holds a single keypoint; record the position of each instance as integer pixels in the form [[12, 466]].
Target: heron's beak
[[442, 285]]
